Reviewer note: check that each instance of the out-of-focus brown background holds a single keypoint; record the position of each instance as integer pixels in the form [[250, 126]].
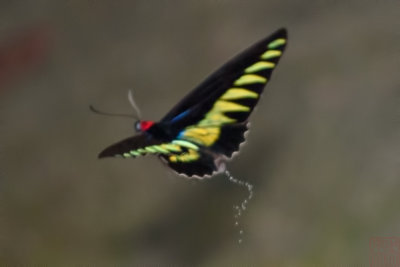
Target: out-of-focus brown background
[[323, 153]]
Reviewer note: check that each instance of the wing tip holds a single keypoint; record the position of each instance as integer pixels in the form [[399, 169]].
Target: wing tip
[[282, 32], [104, 154], [100, 156]]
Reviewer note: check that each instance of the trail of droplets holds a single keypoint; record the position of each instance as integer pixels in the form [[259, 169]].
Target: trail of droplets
[[242, 207]]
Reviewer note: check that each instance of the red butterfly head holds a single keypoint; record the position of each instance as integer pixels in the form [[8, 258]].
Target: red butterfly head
[[142, 126]]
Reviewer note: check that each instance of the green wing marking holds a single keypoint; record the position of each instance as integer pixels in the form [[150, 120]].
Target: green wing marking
[[164, 149], [176, 151], [141, 145]]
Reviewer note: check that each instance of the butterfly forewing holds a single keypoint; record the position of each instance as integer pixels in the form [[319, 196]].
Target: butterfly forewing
[[215, 114], [240, 79]]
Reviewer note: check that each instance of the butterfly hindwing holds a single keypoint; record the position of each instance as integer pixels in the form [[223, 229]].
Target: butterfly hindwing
[[231, 137], [192, 163], [196, 159]]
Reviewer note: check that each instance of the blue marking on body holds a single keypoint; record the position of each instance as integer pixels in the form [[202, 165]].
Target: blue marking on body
[[180, 116]]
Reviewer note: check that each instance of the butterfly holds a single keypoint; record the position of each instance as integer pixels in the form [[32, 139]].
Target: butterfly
[[204, 130]]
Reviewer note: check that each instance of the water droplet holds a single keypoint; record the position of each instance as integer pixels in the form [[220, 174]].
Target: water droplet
[[243, 206]]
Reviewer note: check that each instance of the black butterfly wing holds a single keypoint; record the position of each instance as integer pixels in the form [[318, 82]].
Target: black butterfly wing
[[214, 115], [250, 70]]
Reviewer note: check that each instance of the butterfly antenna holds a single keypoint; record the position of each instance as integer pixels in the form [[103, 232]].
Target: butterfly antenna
[[243, 206], [133, 104], [94, 110]]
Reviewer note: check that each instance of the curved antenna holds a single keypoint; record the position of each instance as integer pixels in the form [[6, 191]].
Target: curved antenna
[[133, 104], [94, 110]]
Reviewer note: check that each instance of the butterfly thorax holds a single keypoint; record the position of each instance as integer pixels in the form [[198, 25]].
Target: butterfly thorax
[[158, 130], [153, 130]]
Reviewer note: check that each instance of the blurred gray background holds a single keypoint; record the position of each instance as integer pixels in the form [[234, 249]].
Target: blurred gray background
[[323, 151]]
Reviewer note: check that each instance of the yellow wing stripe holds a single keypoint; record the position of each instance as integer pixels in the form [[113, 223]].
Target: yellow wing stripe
[[261, 65], [198, 131], [141, 150], [237, 93], [276, 43], [185, 144], [226, 106], [134, 153], [172, 147], [191, 155], [203, 136], [249, 79], [271, 54], [161, 150], [214, 118], [150, 149]]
